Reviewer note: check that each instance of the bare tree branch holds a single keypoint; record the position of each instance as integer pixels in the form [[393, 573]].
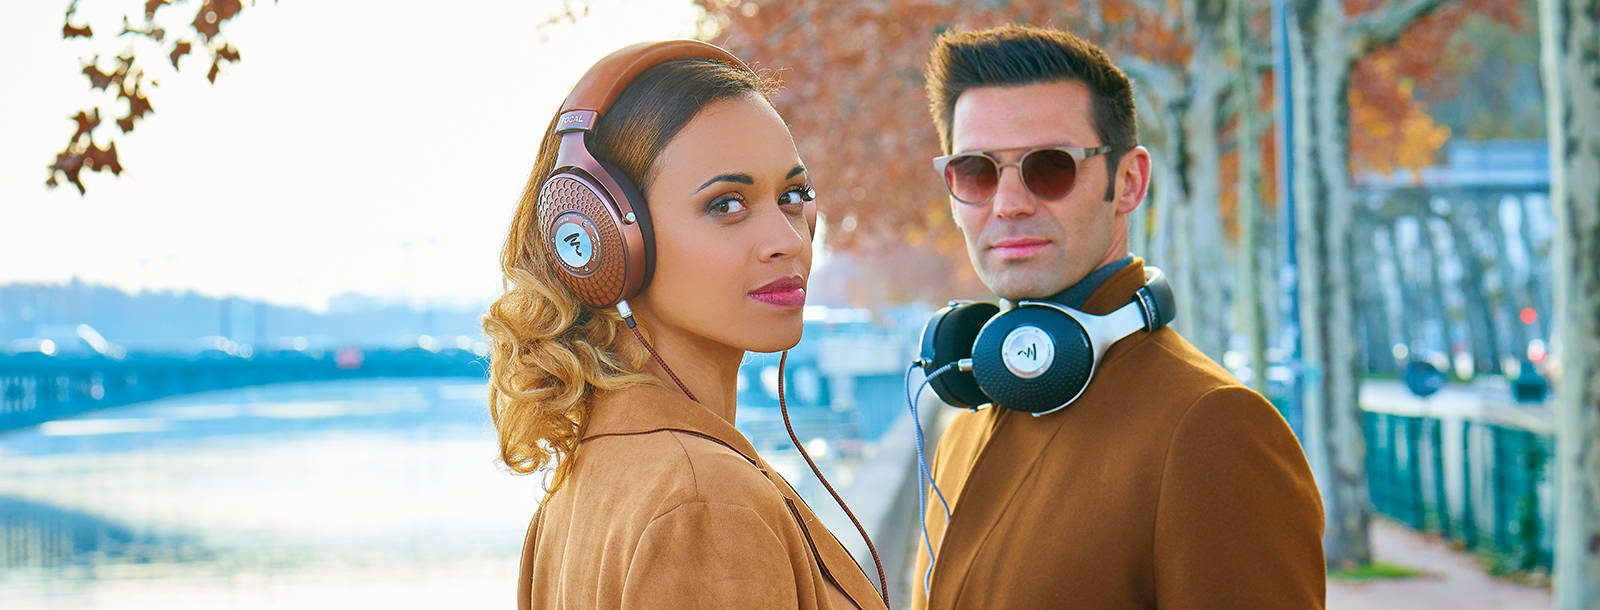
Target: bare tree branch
[[1380, 28]]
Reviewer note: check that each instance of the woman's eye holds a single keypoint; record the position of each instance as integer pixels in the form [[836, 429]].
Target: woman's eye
[[725, 205], [797, 196]]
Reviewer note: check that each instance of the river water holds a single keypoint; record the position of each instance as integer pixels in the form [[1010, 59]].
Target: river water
[[315, 495]]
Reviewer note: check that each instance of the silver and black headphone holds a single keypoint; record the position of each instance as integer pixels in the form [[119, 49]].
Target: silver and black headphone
[[1036, 356]]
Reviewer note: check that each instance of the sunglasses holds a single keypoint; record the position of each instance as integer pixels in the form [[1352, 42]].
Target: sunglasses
[[1049, 172]]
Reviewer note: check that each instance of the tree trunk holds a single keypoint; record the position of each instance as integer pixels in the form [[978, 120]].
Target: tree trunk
[[1201, 280], [1538, 280], [1323, 46], [1169, 237], [1388, 237], [1509, 303], [1570, 30], [1164, 225], [1333, 442], [1375, 322], [1432, 256], [1480, 315], [1252, 122], [1149, 231]]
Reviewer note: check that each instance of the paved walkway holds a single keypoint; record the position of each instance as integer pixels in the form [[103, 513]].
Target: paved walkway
[[1456, 580]]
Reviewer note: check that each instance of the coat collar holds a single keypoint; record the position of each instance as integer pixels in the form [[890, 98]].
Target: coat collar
[[1116, 290], [643, 409]]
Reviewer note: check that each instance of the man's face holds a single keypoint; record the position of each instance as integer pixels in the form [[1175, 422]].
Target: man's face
[[1024, 246]]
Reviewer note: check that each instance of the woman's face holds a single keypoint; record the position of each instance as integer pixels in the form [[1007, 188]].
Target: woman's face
[[732, 229]]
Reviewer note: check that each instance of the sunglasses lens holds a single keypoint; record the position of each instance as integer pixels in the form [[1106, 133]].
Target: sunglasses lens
[[971, 178], [1049, 173]]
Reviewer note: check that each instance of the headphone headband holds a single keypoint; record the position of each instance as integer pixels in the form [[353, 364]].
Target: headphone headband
[[1157, 305], [604, 81]]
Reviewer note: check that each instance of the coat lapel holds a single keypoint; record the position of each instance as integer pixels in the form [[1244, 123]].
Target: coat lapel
[[835, 560]]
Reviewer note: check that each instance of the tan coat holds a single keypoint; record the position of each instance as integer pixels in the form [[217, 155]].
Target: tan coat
[[669, 506], [1167, 484]]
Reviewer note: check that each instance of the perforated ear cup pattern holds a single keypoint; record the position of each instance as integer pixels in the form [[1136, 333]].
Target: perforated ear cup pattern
[[563, 193], [1066, 376]]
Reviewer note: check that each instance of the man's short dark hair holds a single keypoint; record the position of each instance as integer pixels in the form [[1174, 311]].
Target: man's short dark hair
[[1012, 55]]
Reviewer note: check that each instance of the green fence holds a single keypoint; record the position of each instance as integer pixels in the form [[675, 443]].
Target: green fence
[[1484, 486]]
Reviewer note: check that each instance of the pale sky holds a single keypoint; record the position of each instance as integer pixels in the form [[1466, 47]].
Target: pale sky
[[361, 145]]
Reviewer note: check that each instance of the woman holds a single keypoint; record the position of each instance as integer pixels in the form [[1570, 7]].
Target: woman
[[655, 500]]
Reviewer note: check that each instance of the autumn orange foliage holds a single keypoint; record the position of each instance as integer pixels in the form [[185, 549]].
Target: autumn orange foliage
[[1390, 128], [854, 98]]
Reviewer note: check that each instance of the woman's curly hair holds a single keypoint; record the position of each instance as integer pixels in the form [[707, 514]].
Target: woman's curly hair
[[551, 353]]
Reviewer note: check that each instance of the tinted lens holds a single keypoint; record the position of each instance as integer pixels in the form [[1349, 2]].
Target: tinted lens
[[1049, 173], [971, 178]]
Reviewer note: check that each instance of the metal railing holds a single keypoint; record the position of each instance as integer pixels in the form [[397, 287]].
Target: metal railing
[[1473, 472]]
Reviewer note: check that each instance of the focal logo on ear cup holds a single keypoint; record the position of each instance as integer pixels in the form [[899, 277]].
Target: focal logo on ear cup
[[1027, 351], [1032, 359], [576, 242]]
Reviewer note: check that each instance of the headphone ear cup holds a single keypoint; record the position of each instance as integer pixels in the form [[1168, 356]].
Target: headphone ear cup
[[586, 246], [642, 224], [578, 218], [1032, 359], [948, 338]]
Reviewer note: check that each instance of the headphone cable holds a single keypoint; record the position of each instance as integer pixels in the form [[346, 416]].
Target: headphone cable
[[783, 406], [924, 475], [627, 316]]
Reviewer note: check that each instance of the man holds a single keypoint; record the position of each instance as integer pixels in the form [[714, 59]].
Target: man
[[1167, 483]]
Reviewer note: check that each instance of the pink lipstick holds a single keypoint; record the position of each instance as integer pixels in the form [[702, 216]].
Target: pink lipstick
[[782, 292]]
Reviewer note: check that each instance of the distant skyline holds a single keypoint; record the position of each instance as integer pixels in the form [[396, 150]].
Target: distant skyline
[[165, 321], [359, 147]]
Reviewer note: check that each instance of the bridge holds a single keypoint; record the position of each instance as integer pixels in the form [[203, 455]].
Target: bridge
[[35, 388], [1471, 171], [847, 386]]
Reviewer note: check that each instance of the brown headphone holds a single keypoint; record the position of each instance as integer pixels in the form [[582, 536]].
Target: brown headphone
[[595, 221]]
